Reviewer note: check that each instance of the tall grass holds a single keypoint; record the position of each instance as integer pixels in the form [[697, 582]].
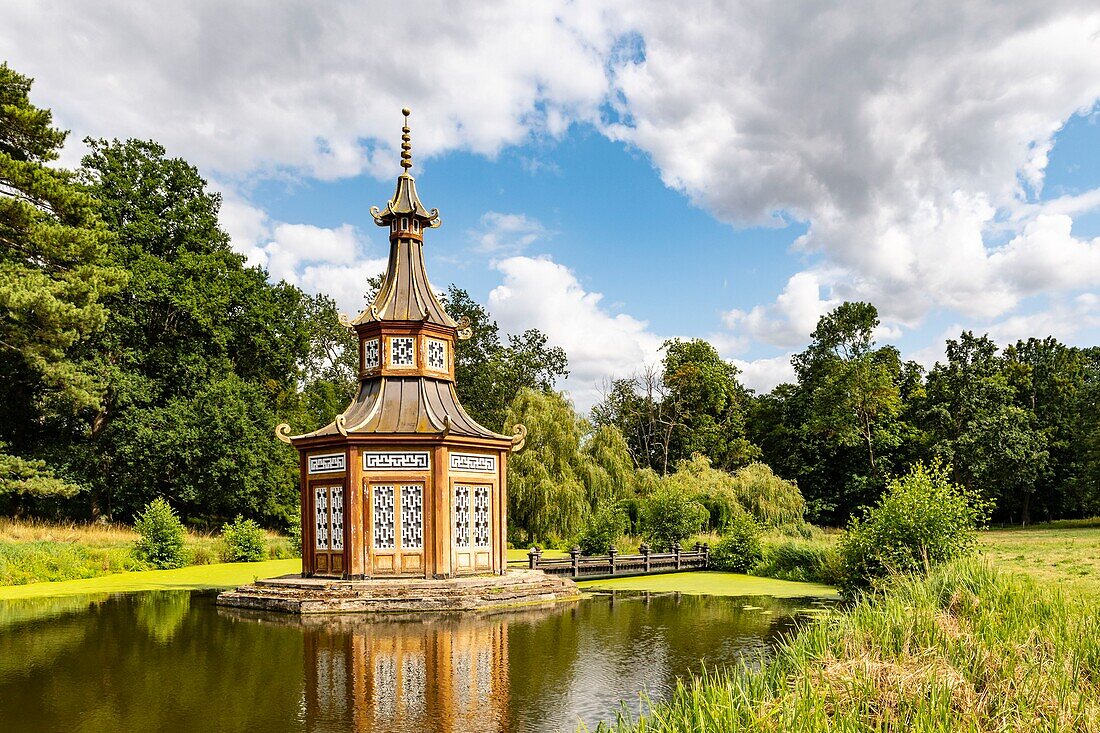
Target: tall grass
[[965, 649]]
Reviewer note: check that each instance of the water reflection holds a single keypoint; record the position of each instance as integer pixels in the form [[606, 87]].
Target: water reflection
[[174, 662]]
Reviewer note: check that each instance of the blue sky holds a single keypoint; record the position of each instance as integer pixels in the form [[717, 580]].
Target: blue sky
[[616, 175]]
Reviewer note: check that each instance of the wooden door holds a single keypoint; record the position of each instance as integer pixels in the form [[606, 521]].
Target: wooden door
[[397, 527], [328, 513], [472, 527]]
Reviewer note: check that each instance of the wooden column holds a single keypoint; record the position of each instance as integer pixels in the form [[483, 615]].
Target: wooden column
[[440, 514]]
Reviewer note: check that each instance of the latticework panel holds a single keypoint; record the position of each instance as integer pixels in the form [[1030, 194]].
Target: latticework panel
[[383, 517], [462, 516], [402, 351], [337, 511], [437, 354], [412, 517], [320, 506], [481, 516], [370, 354]]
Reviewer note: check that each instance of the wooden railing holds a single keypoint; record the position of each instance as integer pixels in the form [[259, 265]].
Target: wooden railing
[[613, 564]]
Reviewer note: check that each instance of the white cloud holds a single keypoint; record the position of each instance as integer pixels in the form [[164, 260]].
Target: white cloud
[[540, 293], [789, 321], [335, 261], [506, 234], [902, 138], [763, 375], [255, 86]]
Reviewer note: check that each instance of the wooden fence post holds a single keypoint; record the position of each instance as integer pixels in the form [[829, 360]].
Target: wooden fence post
[[706, 555], [644, 549], [611, 554], [575, 553], [676, 551], [533, 556]]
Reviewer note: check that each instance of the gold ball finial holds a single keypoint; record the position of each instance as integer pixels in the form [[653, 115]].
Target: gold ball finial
[[406, 141]]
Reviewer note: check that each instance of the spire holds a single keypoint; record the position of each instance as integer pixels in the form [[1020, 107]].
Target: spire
[[406, 142], [405, 201]]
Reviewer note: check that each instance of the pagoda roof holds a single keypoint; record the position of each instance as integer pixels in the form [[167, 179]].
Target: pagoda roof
[[406, 406], [406, 294]]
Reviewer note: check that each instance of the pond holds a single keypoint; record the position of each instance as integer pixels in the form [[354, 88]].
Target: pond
[[173, 661]]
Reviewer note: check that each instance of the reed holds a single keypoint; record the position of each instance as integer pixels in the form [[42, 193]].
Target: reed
[[966, 648]]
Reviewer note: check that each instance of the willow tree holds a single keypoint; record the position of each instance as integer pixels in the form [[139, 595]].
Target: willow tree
[[565, 472]]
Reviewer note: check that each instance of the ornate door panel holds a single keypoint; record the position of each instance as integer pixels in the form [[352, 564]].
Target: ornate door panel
[[397, 528], [471, 531], [328, 513]]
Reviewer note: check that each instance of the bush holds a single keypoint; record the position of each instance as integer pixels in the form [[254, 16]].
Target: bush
[[670, 516], [162, 536], [605, 528], [808, 562], [243, 541], [294, 532], [739, 549], [922, 520]]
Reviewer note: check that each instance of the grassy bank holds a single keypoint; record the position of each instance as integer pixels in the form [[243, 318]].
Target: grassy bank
[[34, 552], [969, 648], [1063, 552], [196, 577], [712, 584]]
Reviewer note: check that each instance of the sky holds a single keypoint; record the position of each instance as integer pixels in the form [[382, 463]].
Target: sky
[[620, 173]]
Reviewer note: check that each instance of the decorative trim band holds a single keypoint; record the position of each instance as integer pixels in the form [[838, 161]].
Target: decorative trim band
[[477, 462], [396, 461], [328, 463]]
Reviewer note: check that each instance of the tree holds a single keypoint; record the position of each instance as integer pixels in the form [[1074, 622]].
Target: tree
[[54, 276], [993, 444], [200, 354], [565, 472]]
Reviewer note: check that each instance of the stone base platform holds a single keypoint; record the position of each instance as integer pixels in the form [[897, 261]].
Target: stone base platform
[[295, 594]]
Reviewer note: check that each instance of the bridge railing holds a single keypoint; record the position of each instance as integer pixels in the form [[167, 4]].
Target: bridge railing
[[613, 564]]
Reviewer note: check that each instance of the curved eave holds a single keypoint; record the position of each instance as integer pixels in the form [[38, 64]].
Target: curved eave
[[406, 406]]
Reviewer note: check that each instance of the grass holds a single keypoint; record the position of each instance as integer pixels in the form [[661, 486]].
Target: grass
[[1063, 552], [195, 577], [711, 583], [969, 648], [35, 551]]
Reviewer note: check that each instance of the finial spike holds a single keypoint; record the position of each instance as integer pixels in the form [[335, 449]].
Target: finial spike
[[406, 142]]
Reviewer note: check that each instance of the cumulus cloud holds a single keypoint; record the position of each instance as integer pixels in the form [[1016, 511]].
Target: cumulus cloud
[[912, 142], [764, 375], [334, 261], [901, 137], [543, 294], [506, 234], [252, 86]]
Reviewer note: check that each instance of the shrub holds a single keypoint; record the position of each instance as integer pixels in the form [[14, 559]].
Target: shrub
[[243, 541], [739, 549], [294, 532], [809, 562], [162, 536], [670, 516], [605, 528], [922, 520]]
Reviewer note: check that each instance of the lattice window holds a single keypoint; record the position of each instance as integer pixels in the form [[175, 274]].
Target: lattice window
[[481, 516], [412, 517], [337, 510], [320, 504], [437, 354], [370, 354], [402, 352], [462, 516], [383, 518]]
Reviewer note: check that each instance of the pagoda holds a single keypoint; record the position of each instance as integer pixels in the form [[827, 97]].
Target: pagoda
[[404, 483]]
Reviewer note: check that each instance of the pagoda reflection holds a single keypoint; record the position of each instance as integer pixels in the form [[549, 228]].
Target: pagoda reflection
[[441, 673]]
